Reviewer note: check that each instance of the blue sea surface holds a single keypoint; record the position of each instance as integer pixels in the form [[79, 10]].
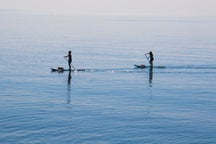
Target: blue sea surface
[[111, 102]]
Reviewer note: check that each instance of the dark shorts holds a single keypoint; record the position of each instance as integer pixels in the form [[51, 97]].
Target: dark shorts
[[151, 60]]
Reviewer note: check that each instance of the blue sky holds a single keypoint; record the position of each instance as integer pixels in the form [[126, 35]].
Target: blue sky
[[114, 7]]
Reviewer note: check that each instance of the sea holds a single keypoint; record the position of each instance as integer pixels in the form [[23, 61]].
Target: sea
[[111, 102]]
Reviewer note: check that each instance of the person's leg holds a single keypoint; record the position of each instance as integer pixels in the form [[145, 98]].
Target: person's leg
[[151, 62], [69, 64]]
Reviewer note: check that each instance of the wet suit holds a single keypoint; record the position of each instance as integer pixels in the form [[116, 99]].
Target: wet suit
[[69, 59], [151, 58]]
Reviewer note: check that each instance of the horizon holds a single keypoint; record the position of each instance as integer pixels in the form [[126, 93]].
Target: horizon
[[156, 8]]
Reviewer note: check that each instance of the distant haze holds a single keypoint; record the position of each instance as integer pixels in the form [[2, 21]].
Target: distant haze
[[180, 8]]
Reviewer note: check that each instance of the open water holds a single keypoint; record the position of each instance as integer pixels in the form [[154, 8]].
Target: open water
[[110, 102]]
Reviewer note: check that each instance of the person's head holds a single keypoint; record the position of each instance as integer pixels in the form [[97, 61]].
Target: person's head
[[150, 52], [69, 52]]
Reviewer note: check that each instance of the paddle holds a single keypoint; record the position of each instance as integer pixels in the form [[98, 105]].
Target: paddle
[[71, 63], [73, 67], [147, 57]]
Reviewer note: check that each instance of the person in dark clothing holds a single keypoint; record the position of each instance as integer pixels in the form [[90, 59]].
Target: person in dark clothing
[[150, 57], [69, 56]]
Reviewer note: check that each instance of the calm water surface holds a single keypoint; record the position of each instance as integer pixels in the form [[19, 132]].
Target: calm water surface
[[110, 102]]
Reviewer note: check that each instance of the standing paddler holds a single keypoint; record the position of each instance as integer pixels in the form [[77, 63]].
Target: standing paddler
[[150, 57], [69, 56]]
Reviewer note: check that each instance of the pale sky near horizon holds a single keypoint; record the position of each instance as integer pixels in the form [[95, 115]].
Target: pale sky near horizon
[[114, 7]]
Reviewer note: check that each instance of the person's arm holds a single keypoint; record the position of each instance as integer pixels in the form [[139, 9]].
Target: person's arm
[[147, 56], [65, 56]]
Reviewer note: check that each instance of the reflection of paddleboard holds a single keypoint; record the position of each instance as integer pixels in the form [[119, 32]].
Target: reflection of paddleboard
[[144, 66], [62, 69]]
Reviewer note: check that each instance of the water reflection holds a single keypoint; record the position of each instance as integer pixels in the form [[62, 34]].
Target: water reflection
[[150, 76], [69, 88]]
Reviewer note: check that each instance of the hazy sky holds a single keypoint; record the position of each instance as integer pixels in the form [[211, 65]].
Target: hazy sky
[[115, 7]]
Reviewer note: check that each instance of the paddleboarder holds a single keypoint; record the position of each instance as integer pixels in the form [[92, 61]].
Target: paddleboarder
[[69, 56], [150, 57]]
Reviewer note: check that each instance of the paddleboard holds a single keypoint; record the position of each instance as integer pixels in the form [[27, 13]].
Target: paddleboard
[[144, 66], [62, 70]]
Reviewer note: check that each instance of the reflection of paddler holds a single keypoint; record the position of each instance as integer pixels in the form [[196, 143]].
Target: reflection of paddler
[[150, 74], [69, 88], [69, 56], [69, 78]]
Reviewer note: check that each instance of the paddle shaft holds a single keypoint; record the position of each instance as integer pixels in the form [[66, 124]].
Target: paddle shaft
[[70, 64]]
